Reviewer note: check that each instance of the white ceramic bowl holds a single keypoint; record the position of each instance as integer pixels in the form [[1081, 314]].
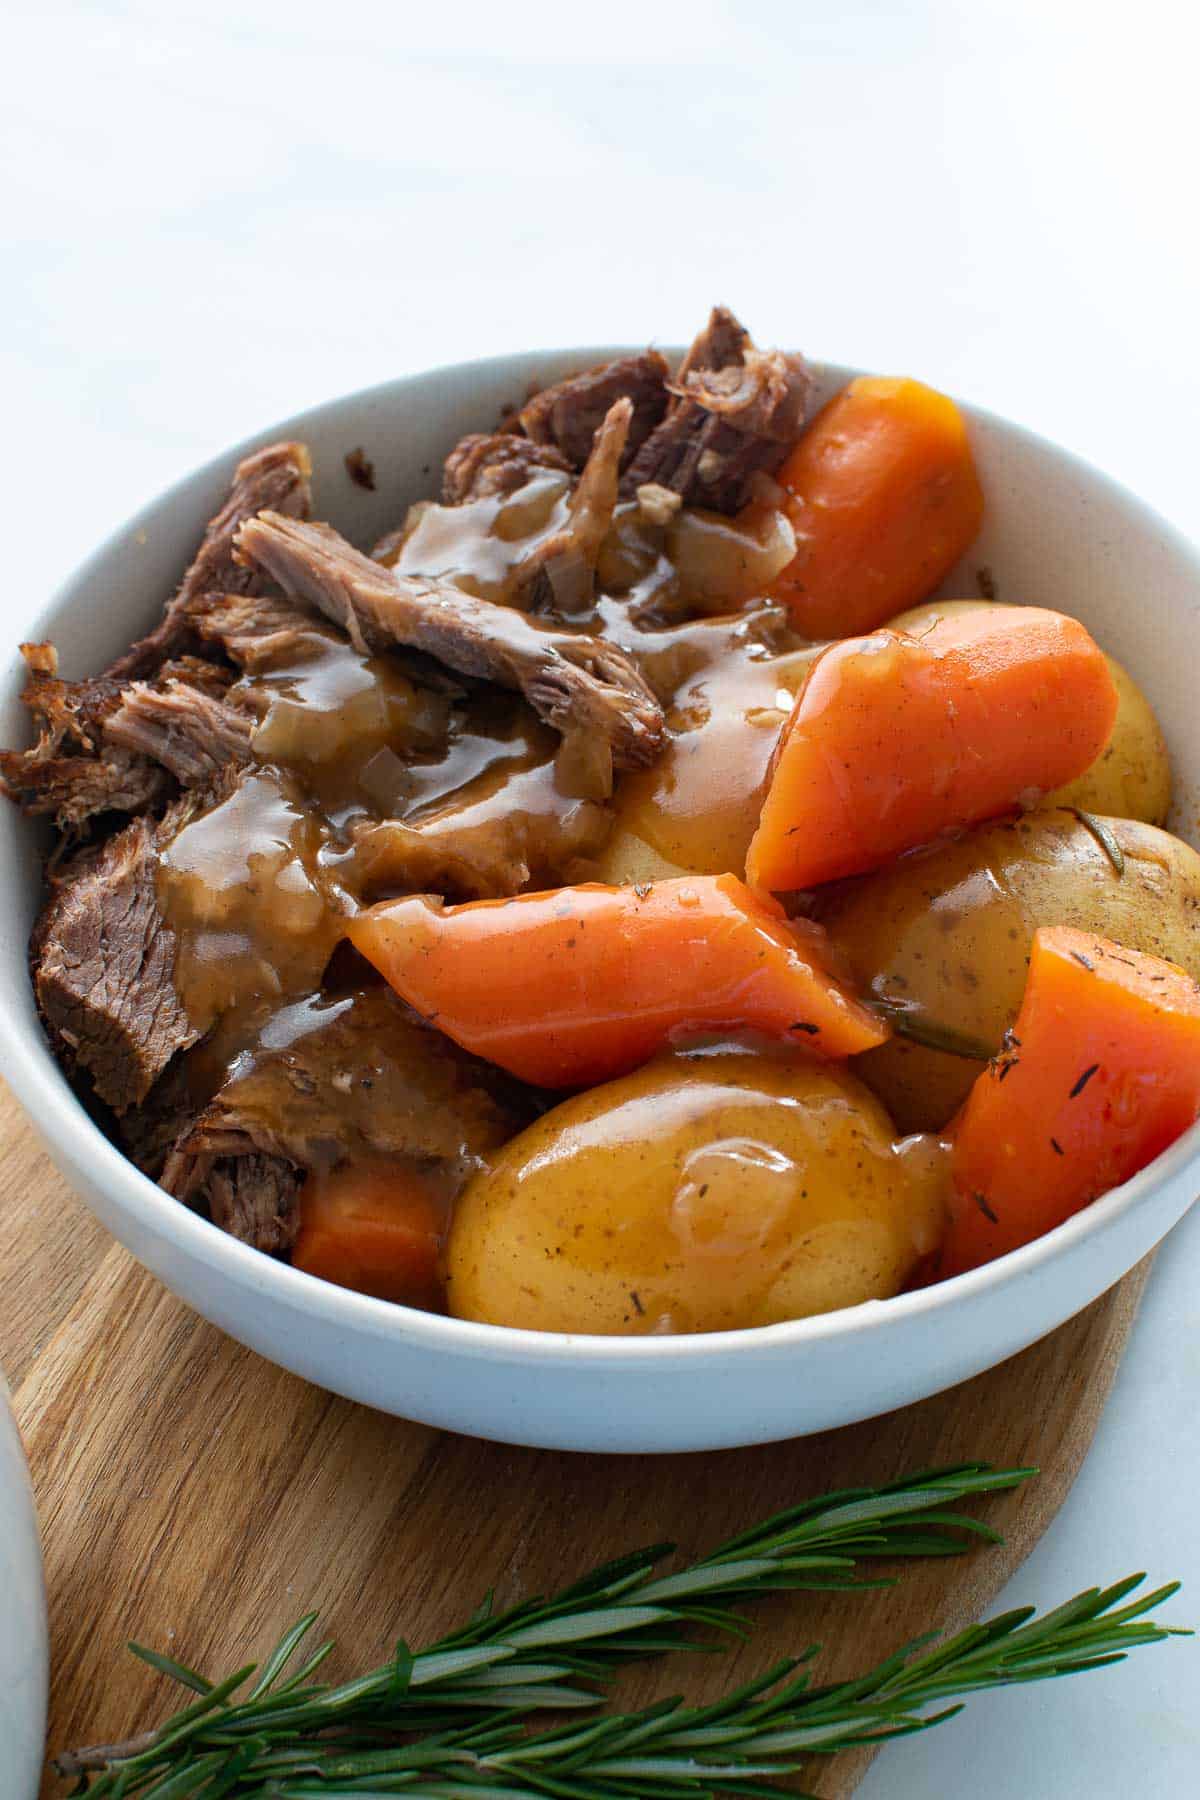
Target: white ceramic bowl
[[1057, 534], [23, 1648]]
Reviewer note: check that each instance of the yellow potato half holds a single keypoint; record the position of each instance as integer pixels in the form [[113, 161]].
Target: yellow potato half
[[703, 1193], [944, 935]]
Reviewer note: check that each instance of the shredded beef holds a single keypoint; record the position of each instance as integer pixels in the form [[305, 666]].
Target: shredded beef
[[495, 463], [107, 746], [569, 414], [74, 790], [190, 732], [274, 478], [104, 963], [575, 681], [253, 1197], [735, 412], [70, 774], [256, 631], [559, 573]]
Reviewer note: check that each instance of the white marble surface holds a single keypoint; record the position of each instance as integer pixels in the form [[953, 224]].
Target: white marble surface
[[215, 214]]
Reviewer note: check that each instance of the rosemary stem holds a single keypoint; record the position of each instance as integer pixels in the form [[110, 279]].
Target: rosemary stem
[[98, 1757]]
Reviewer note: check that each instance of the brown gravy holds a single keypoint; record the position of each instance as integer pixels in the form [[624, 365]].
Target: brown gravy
[[375, 775]]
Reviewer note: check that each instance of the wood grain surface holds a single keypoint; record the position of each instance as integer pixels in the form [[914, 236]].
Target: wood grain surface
[[199, 1499]]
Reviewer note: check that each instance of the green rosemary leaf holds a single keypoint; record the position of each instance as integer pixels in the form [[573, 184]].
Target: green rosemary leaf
[[573, 1629], [174, 1671], [186, 1781], [280, 1656]]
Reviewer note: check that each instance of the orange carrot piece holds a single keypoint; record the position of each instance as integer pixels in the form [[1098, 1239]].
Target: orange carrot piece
[[579, 984], [376, 1229], [895, 739], [884, 499], [1102, 1073]]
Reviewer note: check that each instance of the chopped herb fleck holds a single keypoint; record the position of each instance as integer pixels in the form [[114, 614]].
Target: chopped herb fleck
[[981, 1202], [804, 1025], [1083, 1081], [1057, 1147], [638, 1308]]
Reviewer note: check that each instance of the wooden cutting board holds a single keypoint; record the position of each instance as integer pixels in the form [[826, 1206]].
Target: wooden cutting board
[[200, 1500]]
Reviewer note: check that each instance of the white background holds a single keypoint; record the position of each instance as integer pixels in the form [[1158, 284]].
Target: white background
[[215, 215]]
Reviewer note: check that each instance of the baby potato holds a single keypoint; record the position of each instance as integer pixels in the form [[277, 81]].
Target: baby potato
[[704, 1193], [695, 810], [944, 936], [1131, 778], [628, 859]]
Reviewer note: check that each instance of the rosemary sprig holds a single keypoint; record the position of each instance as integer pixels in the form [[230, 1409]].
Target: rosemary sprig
[[545, 1653], [762, 1731], [1103, 836], [928, 1033]]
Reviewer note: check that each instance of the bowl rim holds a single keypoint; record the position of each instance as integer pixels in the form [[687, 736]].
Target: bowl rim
[[60, 1117]]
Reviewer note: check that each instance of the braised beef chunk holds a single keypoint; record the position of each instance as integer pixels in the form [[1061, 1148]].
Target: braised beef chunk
[[475, 851], [573, 680], [569, 414], [255, 631], [210, 677], [735, 412], [722, 344], [189, 732], [336, 1080], [254, 1198], [150, 1131], [495, 463], [103, 966], [276, 477]]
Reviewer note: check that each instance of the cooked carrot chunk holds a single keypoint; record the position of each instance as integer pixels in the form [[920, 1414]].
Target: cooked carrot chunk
[[1101, 1072], [582, 983], [883, 498], [376, 1229], [894, 739]]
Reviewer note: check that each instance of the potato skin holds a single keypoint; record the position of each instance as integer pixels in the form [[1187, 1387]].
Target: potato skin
[[946, 932], [1131, 778], [704, 1193]]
